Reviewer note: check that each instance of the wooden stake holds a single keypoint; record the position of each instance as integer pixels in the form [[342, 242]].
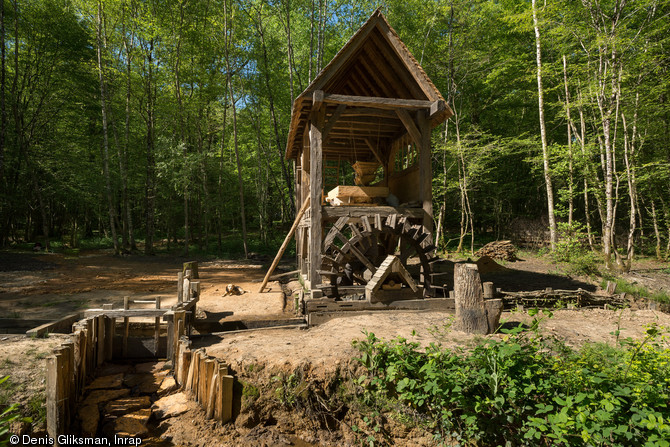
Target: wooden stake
[[157, 329], [211, 395], [191, 371], [288, 238], [227, 404], [126, 325], [53, 415], [180, 287], [109, 337], [488, 290]]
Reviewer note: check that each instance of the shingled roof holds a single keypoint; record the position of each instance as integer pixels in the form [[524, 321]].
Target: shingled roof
[[374, 63]]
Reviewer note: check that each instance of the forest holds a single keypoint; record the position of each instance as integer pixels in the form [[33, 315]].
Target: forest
[[152, 124]]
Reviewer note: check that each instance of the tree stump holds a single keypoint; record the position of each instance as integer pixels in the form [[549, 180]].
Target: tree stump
[[469, 300]]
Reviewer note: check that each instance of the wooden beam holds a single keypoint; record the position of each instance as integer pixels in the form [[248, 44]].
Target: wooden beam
[[377, 102], [367, 111], [436, 108], [288, 238], [410, 126], [332, 120], [317, 100], [315, 191]]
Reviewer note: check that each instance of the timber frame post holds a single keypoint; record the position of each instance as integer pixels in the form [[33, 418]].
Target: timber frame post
[[425, 170], [316, 186]]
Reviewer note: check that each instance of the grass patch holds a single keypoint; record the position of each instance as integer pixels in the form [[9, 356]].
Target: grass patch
[[636, 290]]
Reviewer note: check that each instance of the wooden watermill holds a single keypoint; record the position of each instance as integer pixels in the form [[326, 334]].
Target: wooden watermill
[[360, 139]]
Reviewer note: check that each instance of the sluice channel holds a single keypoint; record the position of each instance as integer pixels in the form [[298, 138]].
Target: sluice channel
[[119, 382]]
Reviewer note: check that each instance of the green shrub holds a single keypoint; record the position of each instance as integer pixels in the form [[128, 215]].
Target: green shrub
[[573, 249], [524, 391]]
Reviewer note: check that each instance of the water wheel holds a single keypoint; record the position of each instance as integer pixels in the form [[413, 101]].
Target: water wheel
[[355, 247]]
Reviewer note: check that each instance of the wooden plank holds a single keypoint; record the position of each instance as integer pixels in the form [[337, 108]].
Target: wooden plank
[[109, 338], [191, 371], [209, 375], [62, 325], [227, 404], [90, 346], [212, 394], [180, 287], [126, 327], [287, 239], [316, 188], [377, 102], [283, 275], [157, 326], [332, 212], [362, 192], [121, 313], [170, 337], [52, 404], [328, 305]]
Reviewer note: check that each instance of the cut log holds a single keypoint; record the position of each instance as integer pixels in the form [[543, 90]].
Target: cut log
[[494, 309], [498, 250], [469, 300]]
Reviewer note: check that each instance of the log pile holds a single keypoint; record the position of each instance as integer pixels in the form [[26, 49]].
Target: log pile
[[549, 298], [498, 250]]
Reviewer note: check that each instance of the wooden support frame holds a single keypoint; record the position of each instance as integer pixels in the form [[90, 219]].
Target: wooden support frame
[[425, 170], [315, 191], [377, 102]]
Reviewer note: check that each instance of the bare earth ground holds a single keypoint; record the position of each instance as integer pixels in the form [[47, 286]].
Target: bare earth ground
[[50, 286]]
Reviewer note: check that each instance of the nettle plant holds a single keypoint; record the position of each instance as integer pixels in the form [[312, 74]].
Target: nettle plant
[[7, 416], [525, 390]]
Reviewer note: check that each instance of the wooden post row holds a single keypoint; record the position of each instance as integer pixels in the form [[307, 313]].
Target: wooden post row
[[206, 381]]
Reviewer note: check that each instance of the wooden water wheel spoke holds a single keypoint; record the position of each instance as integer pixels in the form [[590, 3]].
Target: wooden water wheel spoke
[[378, 222], [365, 222], [339, 224], [364, 247]]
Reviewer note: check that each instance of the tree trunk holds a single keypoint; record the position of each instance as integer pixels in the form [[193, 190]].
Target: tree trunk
[[553, 235], [570, 167], [105, 134], [123, 158], [657, 233], [469, 300], [3, 114], [237, 152], [151, 162], [278, 138]]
